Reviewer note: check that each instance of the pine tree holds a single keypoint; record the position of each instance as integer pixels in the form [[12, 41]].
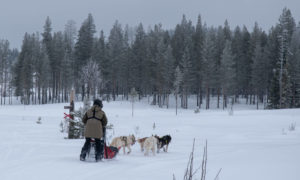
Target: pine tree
[[227, 73], [164, 69], [155, 40], [219, 47], [24, 71], [100, 55], [115, 47], [47, 37], [138, 72], [12, 59], [186, 66], [4, 68], [259, 75], [58, 50], [246, 64], [177, 84], [286, 26], [168, 73], [123, 77], [47, 41], [280, 90], [198, 40], [43, 72], [182, 46], [238, 63], [84, 49], [68, 62], [208, 74], [294, 58], [272, 54]]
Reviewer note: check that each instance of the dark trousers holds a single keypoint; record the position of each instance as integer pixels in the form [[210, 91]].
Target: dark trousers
[[99, 147]]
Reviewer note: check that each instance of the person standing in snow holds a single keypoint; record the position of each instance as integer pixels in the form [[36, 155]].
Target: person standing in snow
[[95, 122]]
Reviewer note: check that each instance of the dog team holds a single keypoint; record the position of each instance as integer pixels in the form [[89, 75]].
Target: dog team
[[147, 143], [95, 122]]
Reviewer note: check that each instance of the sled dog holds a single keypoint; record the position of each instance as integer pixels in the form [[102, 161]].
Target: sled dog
[[123, 141], [150, 144], [163, 142], [141, 141]]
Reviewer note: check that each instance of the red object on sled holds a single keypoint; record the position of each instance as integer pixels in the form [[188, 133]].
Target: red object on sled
[[110, 152]]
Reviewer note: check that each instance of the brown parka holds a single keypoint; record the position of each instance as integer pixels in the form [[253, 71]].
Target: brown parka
[[94, 120]]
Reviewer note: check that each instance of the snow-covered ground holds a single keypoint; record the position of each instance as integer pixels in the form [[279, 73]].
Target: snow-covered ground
[[251, 144]]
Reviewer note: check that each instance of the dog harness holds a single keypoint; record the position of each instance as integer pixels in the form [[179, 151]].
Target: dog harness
[[124, 138]]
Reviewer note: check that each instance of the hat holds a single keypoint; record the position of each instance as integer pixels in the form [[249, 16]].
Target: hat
[[98, 102]]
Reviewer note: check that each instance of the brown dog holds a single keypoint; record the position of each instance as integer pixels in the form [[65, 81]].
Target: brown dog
[[141, 141]]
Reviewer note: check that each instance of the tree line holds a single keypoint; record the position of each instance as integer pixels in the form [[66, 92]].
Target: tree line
[[228, 64]]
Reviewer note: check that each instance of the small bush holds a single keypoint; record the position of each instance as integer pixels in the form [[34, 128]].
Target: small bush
[[39, 121]]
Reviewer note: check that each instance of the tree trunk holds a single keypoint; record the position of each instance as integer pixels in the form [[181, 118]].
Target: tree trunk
[[154, 99], [1, 91], [176, 99], [82, 92], [218, 102], [50, 97], [5, 82], [201, 97], [167, 103], [207, 97], [257, 102]]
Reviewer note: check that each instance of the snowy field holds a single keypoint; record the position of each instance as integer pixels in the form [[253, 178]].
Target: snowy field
[[250, 145]]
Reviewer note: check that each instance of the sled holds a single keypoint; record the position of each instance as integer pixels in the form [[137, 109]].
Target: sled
[[109, 151]]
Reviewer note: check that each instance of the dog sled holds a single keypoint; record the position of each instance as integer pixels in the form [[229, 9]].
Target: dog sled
[[109, 151]]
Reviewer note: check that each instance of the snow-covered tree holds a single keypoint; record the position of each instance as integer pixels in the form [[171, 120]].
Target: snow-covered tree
[[90, 76], [280, 94], [77, 124], [133, 95]]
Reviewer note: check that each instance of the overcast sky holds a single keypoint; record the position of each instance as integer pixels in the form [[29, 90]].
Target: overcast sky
[[20, 16]]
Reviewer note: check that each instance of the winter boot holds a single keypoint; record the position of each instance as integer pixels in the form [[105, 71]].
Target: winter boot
[[85, 149], [99, 150], [82, 157]]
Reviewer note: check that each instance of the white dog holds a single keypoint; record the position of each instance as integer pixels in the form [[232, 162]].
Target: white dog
[[123, 141], [150, 143]]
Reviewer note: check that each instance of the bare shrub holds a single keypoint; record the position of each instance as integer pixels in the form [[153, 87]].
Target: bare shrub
[[190, 172], [292, 126]]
